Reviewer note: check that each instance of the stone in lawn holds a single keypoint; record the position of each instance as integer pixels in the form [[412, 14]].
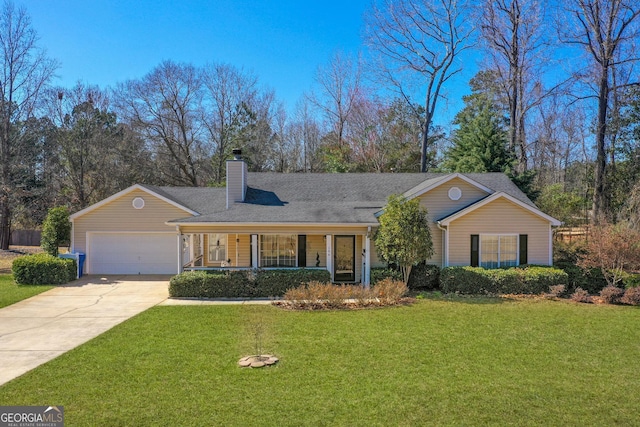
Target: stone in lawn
[[257, 361]]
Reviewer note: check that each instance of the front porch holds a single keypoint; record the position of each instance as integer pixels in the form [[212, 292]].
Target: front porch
[[347, 256]]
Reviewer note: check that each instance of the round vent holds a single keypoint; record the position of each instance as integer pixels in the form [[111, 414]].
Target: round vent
[[455, 193], [138, 203]]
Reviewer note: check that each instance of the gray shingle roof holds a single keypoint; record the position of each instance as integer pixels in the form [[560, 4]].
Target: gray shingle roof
[[313, 198]]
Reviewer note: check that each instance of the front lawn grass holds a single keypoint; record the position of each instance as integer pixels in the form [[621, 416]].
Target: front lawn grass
[[438, 362], [11, 293]]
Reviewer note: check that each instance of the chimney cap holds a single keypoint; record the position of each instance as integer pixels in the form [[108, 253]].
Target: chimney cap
[[237, 153]]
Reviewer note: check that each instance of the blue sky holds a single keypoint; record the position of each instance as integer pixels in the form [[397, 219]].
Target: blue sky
[[283, 42]]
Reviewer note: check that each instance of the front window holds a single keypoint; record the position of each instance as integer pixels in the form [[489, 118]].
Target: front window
[[217, 247], [278, 250], [498, 251]]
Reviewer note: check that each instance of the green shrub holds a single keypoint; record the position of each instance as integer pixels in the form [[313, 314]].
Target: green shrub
[[56, 230], [631, 281], [424, 277], [381, 273], [43, 269], [274, 283], [566, 257], [202, 284], [466, 280], [480, 281], [591, 280], [241, 284]]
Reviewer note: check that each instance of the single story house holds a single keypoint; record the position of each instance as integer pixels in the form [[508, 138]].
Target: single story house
[[307, 220]]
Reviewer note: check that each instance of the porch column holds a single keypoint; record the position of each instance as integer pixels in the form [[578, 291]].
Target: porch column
[[201, 254], [367, 259], [329, 239], [179, 248], [254, 251], [192, 251]]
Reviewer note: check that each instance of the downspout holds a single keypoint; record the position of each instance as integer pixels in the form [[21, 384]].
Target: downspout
[[445, 245], [367, 259], [72, 244], [550, 245]]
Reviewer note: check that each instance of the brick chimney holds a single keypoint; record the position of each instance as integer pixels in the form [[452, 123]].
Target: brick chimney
[[236, 178]]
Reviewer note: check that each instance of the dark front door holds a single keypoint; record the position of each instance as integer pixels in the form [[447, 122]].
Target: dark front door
[[344, 259]]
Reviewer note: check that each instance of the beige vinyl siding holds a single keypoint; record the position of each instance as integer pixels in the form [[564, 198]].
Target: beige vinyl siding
[[499, 217], [120, 215], [439, 205], [236, 180], [316, 246], [244, 251], [376, 260]]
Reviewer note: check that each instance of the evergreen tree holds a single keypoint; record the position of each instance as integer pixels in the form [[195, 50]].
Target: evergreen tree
[[56, 230], [404, 236], [480, 142]]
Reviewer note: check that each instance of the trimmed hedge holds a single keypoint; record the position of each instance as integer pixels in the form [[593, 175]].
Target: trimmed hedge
[[381, 273], [43, 269], [592, 280], [522, 280], [422, 277], [241, 284]]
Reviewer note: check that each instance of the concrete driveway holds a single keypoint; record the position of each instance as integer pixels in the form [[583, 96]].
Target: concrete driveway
[[43, 327]]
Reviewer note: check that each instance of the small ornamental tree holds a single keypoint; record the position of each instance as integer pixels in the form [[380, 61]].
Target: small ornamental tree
[[56, 230], [615, 249], [404, 237]]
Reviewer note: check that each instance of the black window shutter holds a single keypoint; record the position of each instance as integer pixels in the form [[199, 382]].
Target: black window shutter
[[251, 250], [302, 250], [475, 250], [523, 249]]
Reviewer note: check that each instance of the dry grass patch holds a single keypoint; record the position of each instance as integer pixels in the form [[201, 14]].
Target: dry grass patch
[[326, 296]]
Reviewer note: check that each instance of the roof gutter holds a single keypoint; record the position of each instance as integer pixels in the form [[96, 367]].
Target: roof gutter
[[277, 224]]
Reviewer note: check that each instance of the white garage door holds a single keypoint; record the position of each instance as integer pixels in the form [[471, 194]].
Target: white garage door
[[132, 253]]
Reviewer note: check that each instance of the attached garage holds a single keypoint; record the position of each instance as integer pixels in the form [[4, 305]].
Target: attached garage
[[128, 233], [132, 253]]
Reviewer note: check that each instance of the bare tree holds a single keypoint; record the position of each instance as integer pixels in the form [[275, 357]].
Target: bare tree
[[257, 135], [229, 94], [607, 31], [423, 39], [85, 136], [340, 85], [557, 131], [164, 107], [25, 72], [306, 133], [513, 32]]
